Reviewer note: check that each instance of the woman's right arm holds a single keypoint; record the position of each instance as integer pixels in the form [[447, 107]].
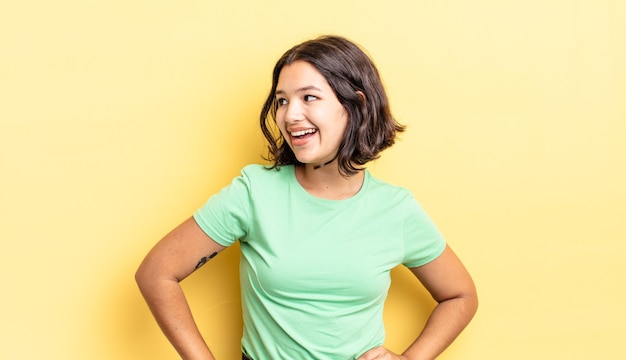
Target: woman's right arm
[[178, 254]]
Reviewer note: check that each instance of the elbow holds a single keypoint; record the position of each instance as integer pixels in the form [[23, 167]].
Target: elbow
[[146, 276], [466, 302], [471, 301], [141, 276], [152, 276], [473, 304], [469, 294]]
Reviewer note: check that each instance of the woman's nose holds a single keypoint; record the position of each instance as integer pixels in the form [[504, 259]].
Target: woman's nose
[[294, 112]]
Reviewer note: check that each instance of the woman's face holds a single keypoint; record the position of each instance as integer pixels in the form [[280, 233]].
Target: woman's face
[[309, 115]]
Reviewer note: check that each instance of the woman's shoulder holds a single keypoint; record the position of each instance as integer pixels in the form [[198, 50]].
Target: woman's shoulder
[[265, 175], [387, 189], [264, 170], [398, 199]]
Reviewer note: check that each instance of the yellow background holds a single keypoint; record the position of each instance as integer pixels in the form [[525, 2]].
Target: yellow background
[[119, 118]]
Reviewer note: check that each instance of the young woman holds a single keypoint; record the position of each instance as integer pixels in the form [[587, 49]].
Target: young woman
[[318, 233]]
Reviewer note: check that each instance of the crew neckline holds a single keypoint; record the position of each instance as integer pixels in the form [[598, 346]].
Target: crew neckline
[[332, 202]]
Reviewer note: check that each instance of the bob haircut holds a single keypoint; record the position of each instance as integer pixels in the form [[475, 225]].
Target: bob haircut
[[355, 81]]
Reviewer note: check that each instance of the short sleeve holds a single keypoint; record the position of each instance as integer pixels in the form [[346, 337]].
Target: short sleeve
[[423, 242], [225, 217]]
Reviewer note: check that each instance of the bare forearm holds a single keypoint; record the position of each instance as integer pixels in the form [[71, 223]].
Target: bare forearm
[[171, 310], [446, 322], [180, 252]]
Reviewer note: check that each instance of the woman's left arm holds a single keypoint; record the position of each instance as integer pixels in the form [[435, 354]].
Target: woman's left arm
[[452, 287]]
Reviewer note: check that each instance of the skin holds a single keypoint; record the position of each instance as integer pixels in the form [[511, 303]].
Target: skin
[[171, 260], [306, 102]]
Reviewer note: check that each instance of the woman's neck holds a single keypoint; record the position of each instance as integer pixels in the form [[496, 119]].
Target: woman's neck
[[327, 182]]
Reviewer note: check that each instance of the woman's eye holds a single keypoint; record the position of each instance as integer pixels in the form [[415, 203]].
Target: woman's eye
[[309, 97], [281, 101]]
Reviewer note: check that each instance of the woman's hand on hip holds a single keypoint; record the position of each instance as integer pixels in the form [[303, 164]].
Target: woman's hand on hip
[[381, 353]]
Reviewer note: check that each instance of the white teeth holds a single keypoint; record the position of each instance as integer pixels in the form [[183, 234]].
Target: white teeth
[[302, 132]]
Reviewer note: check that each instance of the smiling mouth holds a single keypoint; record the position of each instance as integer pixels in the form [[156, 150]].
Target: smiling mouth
[[302, 133]]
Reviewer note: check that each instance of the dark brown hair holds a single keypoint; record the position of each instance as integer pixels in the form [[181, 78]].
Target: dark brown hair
[[358, 87]]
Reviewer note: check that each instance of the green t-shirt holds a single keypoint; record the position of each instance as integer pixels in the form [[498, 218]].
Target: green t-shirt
[[314, 273]]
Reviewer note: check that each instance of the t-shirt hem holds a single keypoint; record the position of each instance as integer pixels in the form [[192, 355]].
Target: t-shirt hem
[[206, 229]]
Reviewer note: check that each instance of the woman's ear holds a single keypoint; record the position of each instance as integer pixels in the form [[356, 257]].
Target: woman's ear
[[362, 96]]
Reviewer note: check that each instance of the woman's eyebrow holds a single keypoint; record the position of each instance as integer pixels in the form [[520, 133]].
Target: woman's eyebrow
[[299, 90]]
